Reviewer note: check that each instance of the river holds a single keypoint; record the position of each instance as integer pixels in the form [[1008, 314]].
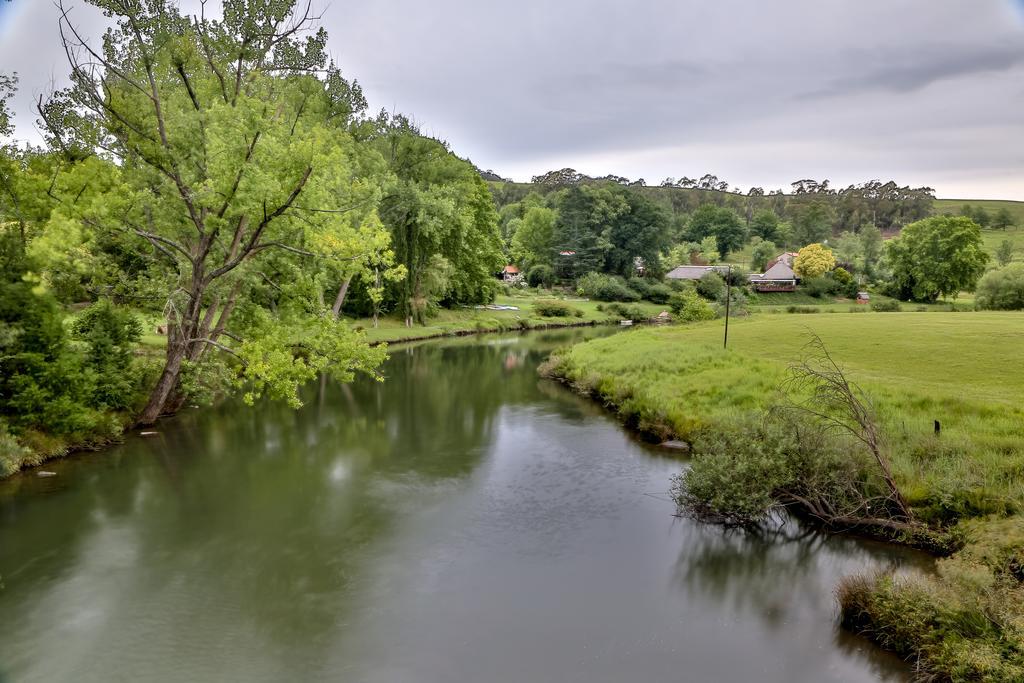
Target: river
[[462, 521]]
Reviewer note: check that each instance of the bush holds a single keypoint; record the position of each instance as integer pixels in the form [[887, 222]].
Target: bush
[[658, 293], [605, 288], [802, 309], [711, 286], [639, 285], [689, 307], [886, 307], [1003, 289], [625, 312], [551, 308], [818, 287], [540, 276]]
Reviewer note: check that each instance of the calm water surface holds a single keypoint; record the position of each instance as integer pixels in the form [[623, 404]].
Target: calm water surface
[[464, 521]]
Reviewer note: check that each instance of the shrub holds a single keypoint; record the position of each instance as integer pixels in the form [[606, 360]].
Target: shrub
[[711, 286], [639, 285], [737, 277], [886, 307], [688, 307], [1003, 289], [625, 312], [551, 308], [818, 287], [540, 276], [605, 288], [803, 309], [658, 293]]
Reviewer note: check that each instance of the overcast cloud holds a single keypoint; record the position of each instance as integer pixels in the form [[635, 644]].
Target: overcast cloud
[[926, 92]]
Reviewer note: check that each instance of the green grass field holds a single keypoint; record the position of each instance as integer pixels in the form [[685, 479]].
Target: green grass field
[[963, 369], [992, 238]]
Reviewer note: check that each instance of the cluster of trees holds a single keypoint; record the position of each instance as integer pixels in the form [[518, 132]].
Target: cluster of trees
[[1002, 219], [585, 228], [688, 223], [222, 174]]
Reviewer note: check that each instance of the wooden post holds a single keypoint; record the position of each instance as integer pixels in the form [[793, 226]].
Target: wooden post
[[728, 298]]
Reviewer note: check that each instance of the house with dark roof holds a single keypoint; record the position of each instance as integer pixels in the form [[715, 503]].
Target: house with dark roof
[[778, 277]]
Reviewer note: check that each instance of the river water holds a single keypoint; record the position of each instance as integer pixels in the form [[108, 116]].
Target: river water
[[463, 521]]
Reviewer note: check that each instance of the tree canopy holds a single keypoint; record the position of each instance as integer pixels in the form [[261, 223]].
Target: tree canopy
[[936, 257]]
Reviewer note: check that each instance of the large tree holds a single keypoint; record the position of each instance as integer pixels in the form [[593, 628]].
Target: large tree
[[232, 147], [442, 219], [721, 223], [936, 257]]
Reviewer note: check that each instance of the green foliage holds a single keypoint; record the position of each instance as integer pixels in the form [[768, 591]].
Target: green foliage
[[533, 241], [688, 307], [605, 288], [761, 254], [658, 293], [1003, 289], [811, 222], [739, 474], [110, 334], [553, 308], [1004, 254], [540, 276], [1003, 219], [711, 286], [626, 312], [938, 256], [886, 306], [765, 224], [814, 260], [962, 623], [721, 223]]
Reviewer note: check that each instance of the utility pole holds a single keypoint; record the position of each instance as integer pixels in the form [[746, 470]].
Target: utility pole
[[728, 300]]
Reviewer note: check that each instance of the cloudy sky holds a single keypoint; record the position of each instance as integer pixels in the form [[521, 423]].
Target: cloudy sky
[[926, 92]]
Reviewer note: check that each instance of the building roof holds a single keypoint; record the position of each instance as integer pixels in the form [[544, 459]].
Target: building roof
[[692, 272], [779, 271], [510, 269]]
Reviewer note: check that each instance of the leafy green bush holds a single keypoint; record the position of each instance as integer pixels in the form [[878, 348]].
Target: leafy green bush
[[689, 307], [110, 334], [625, 312], [1003, 289], [711, 286], [802, 309], [658, 293], [605, 288], [818, 287], [886, 307], [552, 308]]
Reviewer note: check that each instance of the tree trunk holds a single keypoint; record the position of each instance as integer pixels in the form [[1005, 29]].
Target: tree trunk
[[340, 299], [166, 384]]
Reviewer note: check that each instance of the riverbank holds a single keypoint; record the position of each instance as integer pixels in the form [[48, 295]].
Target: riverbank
[[507, 314], [961, 369]]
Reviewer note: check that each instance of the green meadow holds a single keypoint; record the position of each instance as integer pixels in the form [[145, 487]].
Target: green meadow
[[962, 369]]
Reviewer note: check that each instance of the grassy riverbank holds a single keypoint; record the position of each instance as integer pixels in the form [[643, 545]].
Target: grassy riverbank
[[453, 322], [962, 369]]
